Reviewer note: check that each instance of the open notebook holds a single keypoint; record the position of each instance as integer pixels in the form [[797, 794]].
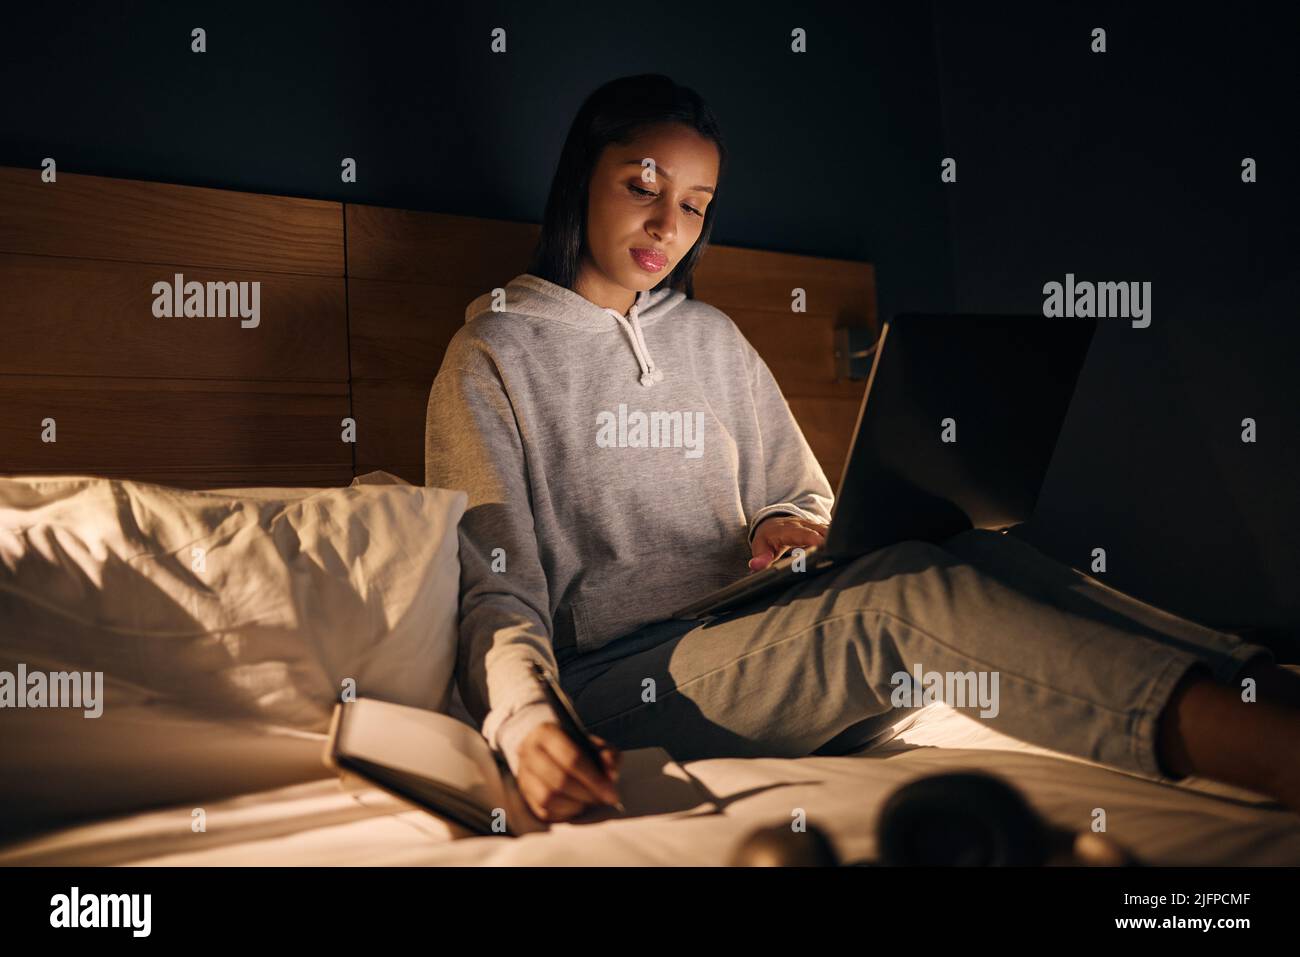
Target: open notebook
[[444, 765]]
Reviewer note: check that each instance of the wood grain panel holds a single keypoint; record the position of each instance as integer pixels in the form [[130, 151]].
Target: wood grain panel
[[204, 402], [401, 330], [828, 424], [753, 279], [404, 245], [143, 426], [247, 476], [390, 422], [91, 317], [191, 402], [94, 217], [799, 348]]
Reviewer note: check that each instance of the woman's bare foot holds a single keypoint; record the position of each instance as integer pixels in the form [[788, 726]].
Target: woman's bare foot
[[1208, 731]]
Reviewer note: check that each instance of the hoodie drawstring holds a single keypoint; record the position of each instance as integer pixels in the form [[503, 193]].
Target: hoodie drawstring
[[649, 374]]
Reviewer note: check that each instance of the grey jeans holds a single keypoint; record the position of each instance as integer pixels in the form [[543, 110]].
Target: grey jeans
[[1080, 667]]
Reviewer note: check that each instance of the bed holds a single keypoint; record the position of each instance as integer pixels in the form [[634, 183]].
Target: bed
[[325, 821], [358, 305]]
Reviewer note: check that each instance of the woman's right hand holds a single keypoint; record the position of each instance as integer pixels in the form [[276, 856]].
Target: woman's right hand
[[557, 780]]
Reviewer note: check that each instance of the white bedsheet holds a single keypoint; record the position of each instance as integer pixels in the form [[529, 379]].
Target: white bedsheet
[[324, 823]]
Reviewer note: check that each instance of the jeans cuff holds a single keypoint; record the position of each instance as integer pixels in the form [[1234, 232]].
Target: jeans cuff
[[1231, 664], [1145, 743]]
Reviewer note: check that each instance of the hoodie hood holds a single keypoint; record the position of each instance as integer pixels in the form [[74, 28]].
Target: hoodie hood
[[530, 295]]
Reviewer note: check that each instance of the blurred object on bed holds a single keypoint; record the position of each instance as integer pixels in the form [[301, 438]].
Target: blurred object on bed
[[976, 819], [956, 819], [782, 846], [210, 617]]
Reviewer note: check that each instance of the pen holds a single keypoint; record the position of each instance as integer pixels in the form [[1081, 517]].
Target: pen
[[569, 720]]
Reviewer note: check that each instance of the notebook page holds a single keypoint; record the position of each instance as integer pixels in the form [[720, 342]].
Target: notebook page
[[424, 743]]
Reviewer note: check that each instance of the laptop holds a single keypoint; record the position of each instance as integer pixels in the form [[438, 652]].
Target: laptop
[[1004, 381]]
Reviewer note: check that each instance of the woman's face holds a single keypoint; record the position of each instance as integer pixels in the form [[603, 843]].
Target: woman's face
[[645, 210]]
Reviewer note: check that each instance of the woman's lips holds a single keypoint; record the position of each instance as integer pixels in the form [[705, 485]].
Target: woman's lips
[[649, 259]]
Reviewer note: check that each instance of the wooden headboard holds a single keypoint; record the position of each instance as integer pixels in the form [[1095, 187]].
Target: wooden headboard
[[357, 304]]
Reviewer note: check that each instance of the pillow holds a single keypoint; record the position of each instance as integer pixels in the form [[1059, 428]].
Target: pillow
[[239, 605], [256, 603]]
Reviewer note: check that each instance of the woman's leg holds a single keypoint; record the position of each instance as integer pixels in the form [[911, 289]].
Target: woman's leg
[[1025, 568], [1203, 727], [1203, 730], [781, 678]]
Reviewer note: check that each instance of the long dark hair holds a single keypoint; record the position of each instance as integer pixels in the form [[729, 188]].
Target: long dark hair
[[617, 113]]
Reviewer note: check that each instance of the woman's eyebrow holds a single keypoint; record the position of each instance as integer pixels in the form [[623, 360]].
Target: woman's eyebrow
[[659, 170]]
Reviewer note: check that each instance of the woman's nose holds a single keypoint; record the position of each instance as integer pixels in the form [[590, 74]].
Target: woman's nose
[[663, 227]]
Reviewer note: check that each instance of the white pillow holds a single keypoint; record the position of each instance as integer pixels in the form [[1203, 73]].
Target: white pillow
[[242, 603], [218, 664]]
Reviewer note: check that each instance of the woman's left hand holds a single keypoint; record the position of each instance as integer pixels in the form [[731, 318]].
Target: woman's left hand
[[779, 532]]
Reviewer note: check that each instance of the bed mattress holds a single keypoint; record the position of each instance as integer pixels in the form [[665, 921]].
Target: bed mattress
[[327, 821]]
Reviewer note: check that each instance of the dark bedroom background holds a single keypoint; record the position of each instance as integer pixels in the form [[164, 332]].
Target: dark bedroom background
[[1122, 166]]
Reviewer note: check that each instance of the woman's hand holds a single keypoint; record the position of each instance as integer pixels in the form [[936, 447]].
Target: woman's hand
[[778, 532], [557, 780]]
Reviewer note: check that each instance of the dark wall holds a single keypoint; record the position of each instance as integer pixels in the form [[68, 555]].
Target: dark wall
[[1126, 166], [832, 151]]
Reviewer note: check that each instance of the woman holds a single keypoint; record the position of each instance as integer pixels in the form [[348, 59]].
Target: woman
[[625, 450]]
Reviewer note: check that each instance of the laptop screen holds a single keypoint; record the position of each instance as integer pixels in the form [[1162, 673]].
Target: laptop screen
[[957, 427]]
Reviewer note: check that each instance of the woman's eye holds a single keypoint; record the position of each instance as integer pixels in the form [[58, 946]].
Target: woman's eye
[[638, 191]]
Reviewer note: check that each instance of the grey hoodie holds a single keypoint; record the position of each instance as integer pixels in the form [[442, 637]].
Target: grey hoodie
[[616, 468]]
